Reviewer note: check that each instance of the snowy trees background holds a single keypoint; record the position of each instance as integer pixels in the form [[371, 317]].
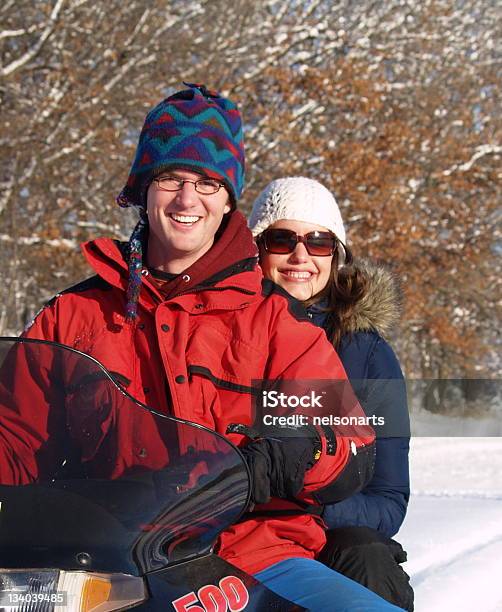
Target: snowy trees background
[[394, 105]]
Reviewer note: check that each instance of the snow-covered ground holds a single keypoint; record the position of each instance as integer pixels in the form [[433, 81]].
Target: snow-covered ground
[[453, 529]]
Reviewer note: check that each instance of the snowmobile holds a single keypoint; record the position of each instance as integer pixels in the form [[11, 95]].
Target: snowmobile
[[121, 507]]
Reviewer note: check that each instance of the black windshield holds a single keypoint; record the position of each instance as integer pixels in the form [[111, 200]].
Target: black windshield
[[110, 485]]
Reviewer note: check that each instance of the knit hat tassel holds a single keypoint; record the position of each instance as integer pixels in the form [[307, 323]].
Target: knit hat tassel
[[135, 262]]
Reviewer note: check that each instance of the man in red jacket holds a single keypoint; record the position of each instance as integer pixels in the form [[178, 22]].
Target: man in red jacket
[[181, 313]]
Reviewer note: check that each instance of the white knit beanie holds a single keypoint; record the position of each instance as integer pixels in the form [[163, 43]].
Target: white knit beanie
[[300, 199]]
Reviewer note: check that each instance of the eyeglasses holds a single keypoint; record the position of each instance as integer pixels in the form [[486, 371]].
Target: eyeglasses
[[205, 186], [284, 241]]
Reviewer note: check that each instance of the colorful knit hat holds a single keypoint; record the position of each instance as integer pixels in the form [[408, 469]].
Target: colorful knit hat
[[195, 129]]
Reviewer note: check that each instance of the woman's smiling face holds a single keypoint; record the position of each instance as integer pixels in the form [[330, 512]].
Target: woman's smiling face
[[300, 274]]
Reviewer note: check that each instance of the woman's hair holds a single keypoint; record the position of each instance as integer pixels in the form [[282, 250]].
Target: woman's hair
[[346, 287]]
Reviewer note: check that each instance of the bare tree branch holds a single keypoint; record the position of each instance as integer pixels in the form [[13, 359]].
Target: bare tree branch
[[37, 47], [481, 151]]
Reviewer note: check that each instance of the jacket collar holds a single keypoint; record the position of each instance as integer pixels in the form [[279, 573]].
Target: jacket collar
[[233, 244], [229, 267], [378, 310]]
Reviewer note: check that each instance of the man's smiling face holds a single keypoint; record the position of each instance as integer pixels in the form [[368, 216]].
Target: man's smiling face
[[182, 223]]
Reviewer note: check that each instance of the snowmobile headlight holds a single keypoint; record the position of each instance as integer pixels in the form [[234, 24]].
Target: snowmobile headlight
[[57, 591]]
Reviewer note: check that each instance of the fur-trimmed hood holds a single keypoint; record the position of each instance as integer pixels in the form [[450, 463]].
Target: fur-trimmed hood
[[380, 308]]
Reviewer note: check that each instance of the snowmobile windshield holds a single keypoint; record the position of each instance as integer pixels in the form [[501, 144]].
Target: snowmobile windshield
[[90, 479]]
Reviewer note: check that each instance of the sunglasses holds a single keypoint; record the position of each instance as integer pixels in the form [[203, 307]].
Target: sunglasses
[[284, 241]]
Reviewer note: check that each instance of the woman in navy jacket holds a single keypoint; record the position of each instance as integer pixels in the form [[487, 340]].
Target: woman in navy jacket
[[300, 232]]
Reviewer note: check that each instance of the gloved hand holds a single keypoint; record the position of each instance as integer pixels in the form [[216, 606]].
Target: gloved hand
[[279, 461]]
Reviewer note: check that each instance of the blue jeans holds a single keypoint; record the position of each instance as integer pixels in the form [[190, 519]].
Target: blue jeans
[[316, 587]]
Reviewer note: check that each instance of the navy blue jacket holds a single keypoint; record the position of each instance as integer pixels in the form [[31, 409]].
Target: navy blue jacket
[[376, 377]]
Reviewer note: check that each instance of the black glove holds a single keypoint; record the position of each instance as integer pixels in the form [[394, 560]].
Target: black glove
[[279, 461], [372, 559]]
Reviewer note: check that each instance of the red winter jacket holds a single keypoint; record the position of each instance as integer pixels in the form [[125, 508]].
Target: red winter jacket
[[207, 344]]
